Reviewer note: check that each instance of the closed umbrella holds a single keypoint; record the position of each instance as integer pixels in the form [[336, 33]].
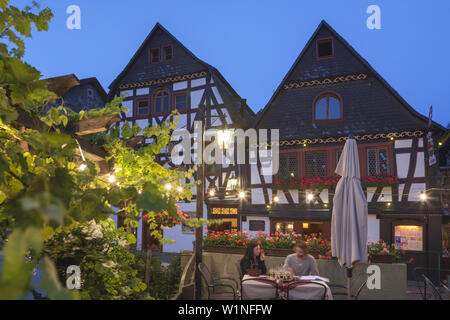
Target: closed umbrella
[[349, 218]]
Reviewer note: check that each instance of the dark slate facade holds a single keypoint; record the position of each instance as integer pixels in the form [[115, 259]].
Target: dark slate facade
[[88, 95], [370, 105]]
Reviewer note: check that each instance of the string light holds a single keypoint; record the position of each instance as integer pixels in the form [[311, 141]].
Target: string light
[[180, 189], [276, 199], [212, 192], [168, 186], [309, 196], [242, 194], [82, 166], [423, 196], [112, 178], [140, 191]]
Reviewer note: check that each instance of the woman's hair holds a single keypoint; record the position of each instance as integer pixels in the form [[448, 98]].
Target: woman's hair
[[249, 251], [302, 245]]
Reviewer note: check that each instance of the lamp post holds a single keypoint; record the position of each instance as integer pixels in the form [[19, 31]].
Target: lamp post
[[200, 196]]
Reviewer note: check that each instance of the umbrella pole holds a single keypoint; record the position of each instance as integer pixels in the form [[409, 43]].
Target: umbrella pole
[[349, 278]]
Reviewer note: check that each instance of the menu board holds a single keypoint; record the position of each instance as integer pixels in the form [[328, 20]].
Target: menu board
[[409, 237]]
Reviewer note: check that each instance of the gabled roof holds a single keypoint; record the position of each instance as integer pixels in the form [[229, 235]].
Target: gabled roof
[[145, 43], [97, 86], [324, 24], [61, 84]]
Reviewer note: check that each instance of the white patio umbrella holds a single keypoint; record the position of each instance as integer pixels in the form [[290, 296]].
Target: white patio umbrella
[[349, 218]]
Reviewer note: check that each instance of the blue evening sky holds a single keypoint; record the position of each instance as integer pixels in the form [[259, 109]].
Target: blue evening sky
[[254, 42]]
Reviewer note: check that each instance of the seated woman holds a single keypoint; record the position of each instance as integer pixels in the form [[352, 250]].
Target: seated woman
[[253, 259], [301, 263]]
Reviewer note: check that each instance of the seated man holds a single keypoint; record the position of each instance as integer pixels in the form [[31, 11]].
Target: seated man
[[301, 263]]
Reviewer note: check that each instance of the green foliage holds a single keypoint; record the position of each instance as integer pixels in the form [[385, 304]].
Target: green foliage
[[164, 279], [100, 250]]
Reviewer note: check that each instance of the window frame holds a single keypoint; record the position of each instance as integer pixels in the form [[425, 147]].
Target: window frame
[[154, 113], [150, 55], [319, 97], [164, 55], [322, 40], [136, 107], [188, 102], [367, 160]]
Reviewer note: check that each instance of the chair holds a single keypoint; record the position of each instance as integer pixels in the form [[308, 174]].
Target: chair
[[295, 284], [213, 284], [340, 293], [238, 266], [274, 296], [432, 289]]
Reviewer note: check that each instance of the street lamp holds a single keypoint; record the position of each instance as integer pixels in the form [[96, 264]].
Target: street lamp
[[224, 139]]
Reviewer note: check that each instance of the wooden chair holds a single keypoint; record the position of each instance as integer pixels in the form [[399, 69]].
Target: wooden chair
[[344, 290]]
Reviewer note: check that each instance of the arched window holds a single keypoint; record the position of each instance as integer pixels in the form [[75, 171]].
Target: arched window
[[328, 106], [161, 102]]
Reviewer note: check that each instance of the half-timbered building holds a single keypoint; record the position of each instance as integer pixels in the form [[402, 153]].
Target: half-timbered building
[[164, 75], [330, 92]]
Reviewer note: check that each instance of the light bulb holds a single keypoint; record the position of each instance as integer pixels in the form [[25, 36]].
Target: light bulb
[[423, 196], [82, 166], [276, 199], [140, 191], [242, 194], [112, 178], [180, 189], [309, 196], [168, 186], [212, 193]]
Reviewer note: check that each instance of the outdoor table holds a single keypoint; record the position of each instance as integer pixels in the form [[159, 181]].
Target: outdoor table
[[259, 289]]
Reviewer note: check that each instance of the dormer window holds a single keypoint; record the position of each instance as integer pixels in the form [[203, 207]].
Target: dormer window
[[324, 48], [327, 107], [167, 53], [154, 55]]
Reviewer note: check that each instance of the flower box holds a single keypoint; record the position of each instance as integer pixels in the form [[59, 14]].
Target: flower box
[[381, 258], [93, 125], [278, 252], [223, 249]]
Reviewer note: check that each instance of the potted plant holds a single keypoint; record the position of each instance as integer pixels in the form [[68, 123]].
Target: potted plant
[[381, 252]]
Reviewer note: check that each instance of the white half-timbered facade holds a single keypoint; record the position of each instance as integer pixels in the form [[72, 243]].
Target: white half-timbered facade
[[164, 75]]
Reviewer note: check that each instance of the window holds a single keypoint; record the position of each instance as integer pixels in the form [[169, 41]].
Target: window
[[181, 102], [217, 210], [327, 107], [316, 163], [142, 107], [377, 162], [161, 102], [284, 227], [288, 166], [338, 156], [256, 225], [324, 48], [154, 55], [167, 53]]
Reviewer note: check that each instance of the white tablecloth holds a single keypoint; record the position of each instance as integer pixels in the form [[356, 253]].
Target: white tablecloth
[[258, 290]]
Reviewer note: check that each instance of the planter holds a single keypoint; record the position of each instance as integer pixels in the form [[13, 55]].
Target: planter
[[231, 250], [93, 125], [381, 258], [278, 252]]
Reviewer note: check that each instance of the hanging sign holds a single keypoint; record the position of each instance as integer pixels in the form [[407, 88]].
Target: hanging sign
[[431, 150]]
